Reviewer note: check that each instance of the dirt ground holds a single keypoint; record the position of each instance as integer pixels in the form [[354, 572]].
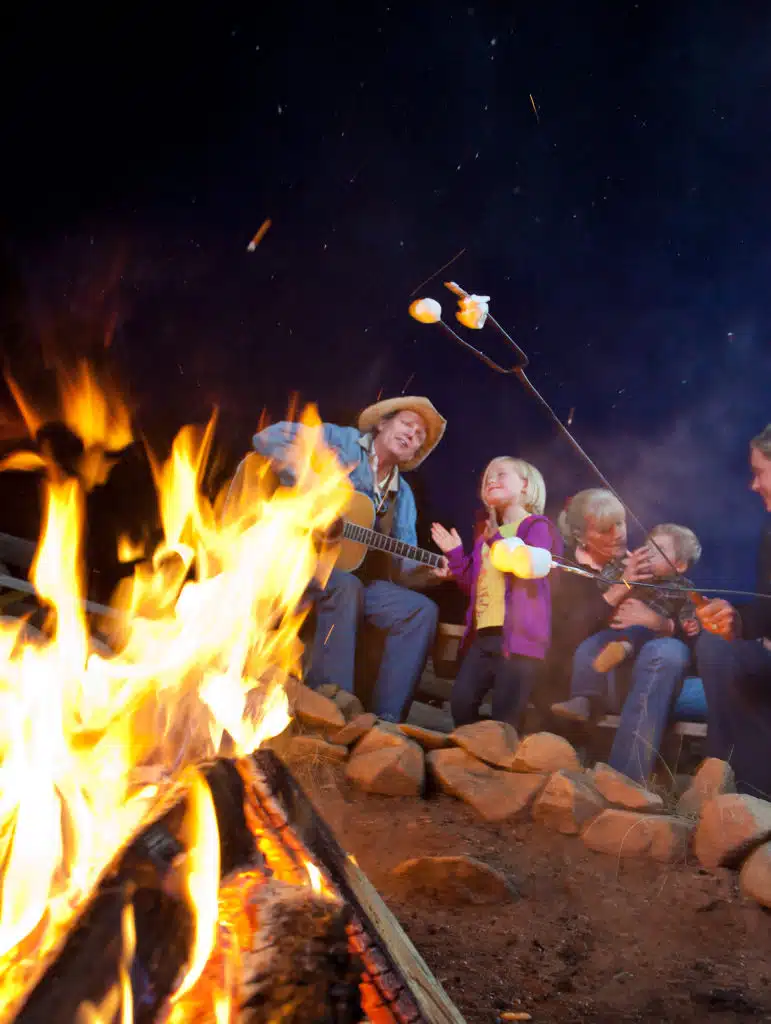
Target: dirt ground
[[588, 939]]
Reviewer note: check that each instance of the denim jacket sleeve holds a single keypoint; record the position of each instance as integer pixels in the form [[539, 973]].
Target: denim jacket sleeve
[[275, 440]]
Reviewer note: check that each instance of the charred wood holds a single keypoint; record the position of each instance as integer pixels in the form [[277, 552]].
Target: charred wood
[[300, 968]]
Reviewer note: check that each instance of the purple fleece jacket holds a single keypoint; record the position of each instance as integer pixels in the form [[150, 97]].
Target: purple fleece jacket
[[527, 617]]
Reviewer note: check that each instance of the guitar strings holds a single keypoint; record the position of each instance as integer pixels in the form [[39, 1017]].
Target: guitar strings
[[378, 541]]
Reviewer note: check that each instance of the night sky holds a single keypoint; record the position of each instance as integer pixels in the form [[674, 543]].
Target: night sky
[[622, 227]]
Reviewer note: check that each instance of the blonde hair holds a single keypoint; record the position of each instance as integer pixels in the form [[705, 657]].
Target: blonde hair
[[685, 543], [597, 502], [534, 495], [763, 442]]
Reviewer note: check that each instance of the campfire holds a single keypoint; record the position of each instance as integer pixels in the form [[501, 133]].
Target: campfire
[[155, 864]]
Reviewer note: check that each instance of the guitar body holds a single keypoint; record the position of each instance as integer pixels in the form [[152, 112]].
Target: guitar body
[[355, 535], [351, 553]]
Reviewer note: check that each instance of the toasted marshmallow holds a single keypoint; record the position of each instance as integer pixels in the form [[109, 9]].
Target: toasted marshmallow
[[426, 311], [473, 311]]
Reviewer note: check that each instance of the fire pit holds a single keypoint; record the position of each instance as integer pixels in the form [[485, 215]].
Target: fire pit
[[155, 863], [301, 934]]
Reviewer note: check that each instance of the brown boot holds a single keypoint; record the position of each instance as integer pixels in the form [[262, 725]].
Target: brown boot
[[612, 655]]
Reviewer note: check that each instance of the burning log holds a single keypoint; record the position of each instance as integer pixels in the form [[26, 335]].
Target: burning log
[[315, 943], [398, 985], [300, 968]]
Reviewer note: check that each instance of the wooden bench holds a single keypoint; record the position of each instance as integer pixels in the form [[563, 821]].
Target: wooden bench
[[696, 730]]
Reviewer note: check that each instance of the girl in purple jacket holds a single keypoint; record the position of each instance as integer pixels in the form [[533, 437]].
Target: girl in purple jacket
[[508, 624]]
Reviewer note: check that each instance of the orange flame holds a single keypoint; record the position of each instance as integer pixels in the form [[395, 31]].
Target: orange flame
[[129, 933], [129, 550], [92, 411], [203, 878], [208, 637], [98, 418], [318, 883]]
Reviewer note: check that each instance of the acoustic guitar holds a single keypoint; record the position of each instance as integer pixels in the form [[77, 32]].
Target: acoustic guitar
[[356, 536]]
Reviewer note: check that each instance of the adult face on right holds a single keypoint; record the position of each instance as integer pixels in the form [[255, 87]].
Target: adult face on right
[[760, 466]]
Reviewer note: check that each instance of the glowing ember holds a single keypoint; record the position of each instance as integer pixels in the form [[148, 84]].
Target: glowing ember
[[317, 882], [196, 658]]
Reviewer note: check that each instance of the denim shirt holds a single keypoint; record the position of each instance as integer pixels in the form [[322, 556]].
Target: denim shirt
[[346, 442]]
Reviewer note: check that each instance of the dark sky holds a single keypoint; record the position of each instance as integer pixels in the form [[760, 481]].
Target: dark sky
[[623, 231]]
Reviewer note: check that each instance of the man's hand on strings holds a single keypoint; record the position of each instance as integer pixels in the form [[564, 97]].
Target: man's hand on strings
[[445, 540], [719, 617], [442, 572]]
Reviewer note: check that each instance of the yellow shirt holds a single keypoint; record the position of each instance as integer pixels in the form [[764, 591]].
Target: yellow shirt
[[490, 605]]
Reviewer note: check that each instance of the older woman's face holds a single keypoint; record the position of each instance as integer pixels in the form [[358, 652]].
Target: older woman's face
[[605, 538]]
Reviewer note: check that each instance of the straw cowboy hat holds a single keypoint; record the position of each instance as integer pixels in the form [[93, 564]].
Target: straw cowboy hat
[[435, 423]]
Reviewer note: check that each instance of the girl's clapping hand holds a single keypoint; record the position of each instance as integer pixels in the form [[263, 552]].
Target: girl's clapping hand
[[445, 540]]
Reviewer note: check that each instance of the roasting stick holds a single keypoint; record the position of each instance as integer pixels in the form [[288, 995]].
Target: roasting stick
[[518, 370]]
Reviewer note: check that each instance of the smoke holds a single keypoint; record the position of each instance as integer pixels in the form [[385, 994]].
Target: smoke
[[694, 471]]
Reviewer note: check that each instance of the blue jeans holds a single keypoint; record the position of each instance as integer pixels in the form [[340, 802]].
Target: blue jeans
[[409, 620], [485, 668], [600, 687], [655, 680], [737, 683], [637, 636]]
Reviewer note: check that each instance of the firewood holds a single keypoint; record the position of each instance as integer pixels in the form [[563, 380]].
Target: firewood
[[299, 968], [86, 968], [312, 953], [393, 958]]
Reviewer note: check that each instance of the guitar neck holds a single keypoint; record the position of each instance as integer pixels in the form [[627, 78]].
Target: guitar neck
[[381, 542]]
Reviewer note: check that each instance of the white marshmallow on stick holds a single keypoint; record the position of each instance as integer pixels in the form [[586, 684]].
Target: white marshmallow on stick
[[522, 560], [426, 311], [473, 311]]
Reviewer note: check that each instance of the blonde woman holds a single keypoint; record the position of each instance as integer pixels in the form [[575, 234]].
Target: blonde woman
[[508, 624], [594, 524]]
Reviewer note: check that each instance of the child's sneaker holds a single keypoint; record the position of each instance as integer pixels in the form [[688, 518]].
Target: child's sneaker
[[612, 655], [578, 709]]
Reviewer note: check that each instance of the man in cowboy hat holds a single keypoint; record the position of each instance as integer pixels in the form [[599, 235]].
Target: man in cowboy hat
[[393, 437]]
